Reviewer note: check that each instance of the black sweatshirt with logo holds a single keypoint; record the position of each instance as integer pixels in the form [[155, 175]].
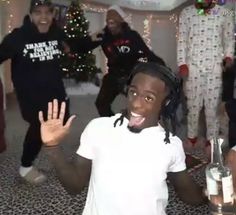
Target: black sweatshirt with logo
[[229, 81], [35, 68], [122, 51], [229, 78]]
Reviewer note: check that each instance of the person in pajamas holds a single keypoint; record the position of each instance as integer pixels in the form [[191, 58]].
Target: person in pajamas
[[206, 37]]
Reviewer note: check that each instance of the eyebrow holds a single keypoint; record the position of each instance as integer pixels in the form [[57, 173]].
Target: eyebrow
[[147, 91]]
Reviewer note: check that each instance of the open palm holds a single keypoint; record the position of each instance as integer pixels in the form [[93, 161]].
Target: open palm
[[52, 129]]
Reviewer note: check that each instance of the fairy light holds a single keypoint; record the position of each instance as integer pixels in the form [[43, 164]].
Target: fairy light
[[10, 17], [93, 8], [174, 19], [5, 1], [147, 30], [10, 23]]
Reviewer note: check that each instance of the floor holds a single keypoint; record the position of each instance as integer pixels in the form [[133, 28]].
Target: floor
[[18, 198]]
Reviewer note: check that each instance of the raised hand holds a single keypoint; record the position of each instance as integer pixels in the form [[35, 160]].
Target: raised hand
[[52, 129]]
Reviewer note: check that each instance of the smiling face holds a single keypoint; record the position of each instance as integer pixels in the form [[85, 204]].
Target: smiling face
[[145, 98], [42, 17], [114, 22], [114, 26]]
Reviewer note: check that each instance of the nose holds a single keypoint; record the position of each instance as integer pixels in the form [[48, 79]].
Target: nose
[[44, 17], [137, 102]]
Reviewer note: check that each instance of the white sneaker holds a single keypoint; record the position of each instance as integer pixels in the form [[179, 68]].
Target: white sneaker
[[34, 177]]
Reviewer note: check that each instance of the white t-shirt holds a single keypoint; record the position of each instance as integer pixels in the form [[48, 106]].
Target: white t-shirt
[[129, 170], [234, 148]]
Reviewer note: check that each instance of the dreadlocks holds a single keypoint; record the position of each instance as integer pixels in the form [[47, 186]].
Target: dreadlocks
[[121, 118], [169, 106]]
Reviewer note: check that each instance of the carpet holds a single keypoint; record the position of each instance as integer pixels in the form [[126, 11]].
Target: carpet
[[50, 198], [194, 162]]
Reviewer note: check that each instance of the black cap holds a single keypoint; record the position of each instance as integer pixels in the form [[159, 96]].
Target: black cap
[[35, 3]]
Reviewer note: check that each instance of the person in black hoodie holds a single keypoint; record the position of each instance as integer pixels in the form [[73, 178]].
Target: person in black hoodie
[[228, 105], [35, 50], [123, 48], [3, 145]]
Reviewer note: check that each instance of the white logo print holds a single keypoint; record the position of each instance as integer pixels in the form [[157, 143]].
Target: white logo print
[[123, 49], [42, 51]]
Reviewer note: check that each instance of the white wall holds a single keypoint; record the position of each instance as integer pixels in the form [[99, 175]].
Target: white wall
[[96, 23], [164, 40]]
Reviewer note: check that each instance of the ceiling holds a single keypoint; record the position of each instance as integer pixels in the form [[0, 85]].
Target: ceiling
[[156, 5]]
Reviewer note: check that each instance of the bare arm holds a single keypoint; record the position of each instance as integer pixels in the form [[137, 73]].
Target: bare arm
[[74, 175], [187, 190], [87, 43]]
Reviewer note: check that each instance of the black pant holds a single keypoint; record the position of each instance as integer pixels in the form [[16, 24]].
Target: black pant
[[232, 133], [33, 143], [111, 87]]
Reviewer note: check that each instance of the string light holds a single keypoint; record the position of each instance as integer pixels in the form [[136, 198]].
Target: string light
[[90, 7], [174, 19], [129, 20], [10, 17], [5, 1], [147, 30]]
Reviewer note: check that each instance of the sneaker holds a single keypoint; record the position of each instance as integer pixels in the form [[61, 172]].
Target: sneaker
[[34, 177]]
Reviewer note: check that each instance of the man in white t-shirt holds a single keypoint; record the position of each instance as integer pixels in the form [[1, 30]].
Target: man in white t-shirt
[[126, 158]]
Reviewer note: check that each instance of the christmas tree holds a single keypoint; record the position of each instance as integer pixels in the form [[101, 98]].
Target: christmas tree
[[80, 67]]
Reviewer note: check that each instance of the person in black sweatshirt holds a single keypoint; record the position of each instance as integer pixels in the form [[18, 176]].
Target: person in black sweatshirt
[[229, 102], [123, 48], [228, 107], [35, 49], [3, 145]]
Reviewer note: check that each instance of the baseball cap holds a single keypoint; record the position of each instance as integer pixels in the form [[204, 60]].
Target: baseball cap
[[35, 3]]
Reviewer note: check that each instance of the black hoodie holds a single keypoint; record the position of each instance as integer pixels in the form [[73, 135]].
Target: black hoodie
[[229, 78], [35, 67], [122, 51]]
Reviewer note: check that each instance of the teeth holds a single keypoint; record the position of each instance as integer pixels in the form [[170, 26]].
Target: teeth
[[43, 22], [135, 114]]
